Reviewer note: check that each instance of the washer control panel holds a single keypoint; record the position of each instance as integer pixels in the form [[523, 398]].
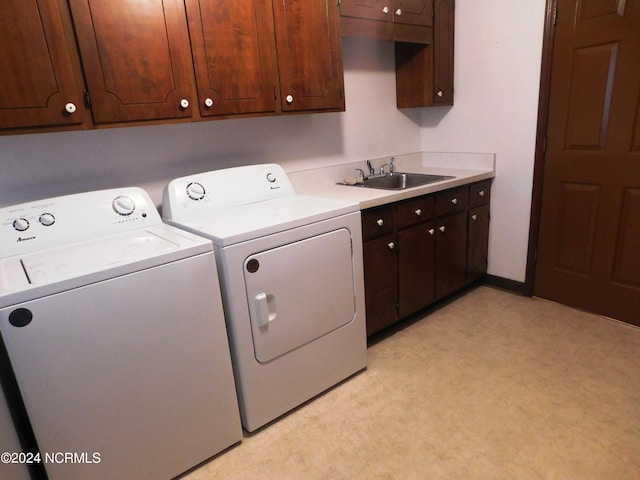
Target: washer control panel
[[63, 220]]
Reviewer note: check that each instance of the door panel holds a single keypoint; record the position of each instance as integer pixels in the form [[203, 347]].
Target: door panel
[[234, 55], [136, 58], [36, 76], [590, 221], [416, 268], [295, 296], [309, 55], [413, 12]]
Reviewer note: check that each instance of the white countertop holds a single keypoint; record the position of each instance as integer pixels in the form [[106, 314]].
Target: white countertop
[[465, 167]]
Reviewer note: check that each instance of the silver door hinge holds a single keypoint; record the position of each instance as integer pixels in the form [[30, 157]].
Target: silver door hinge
[[555, 15]]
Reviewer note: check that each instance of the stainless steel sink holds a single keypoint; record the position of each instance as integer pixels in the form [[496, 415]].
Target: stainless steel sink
[[401, 181]]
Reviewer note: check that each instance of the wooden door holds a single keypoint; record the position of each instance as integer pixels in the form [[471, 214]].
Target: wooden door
[[309, 55], [136, 58], [36, 75], [589, 238], [451, 253], [369, 9], [380, 282], [413, 12], [416, 268], [442, 50], [234, 50]]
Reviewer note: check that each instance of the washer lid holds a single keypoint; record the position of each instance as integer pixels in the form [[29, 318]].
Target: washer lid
[[246, 222], [44, 272]]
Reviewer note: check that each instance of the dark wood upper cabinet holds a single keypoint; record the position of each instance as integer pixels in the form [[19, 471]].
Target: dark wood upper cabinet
[[233, 46], [136, 58], [37, 79], [309, 55], [424, 73], [399, 20]]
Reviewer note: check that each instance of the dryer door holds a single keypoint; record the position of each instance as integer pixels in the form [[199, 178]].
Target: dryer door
[[296, 295]]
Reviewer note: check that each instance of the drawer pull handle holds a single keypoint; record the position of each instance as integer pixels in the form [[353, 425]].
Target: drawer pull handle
[[442, 228], [418, 212], [391, 245], [432, 231], [481, 193], [380, 222], [474, 217], [454, 201], [385, 10]]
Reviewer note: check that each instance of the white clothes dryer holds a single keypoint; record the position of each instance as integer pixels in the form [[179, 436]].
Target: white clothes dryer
[[290, 269], [114, 328]]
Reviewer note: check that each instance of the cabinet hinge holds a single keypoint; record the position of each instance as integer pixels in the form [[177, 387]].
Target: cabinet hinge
[[555, 15], [87, 99], [275, 94], [339, 2]]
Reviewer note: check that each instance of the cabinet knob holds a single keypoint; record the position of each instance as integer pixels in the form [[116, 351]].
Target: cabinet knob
[[431, 231], [385, 10], [391, 245], [399, 12], [70, 107], [380, 222], [443, 228], [208, 102], [184, 104], [289, 99], [418, 212], [474, 217], [481, 193], [440, 93], [454, 201]]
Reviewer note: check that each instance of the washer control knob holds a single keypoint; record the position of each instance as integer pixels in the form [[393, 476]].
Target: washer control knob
[[123, 205], [195, 191], [47, 219], [21, 224], [271, 177]]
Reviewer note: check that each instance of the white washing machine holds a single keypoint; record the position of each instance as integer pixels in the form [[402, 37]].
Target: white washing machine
[[290, 269], [114, 328]]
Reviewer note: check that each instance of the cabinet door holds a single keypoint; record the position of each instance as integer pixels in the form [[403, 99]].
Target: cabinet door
[[369, 9], [309, 55], [416, 268], [451, 258], [478, 243], [413, 12], [36, 74], [234, 55], [443, 39], [380, 282], [136, 58]]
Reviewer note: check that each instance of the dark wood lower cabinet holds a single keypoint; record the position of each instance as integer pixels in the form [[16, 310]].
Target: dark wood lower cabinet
[[423, 249]]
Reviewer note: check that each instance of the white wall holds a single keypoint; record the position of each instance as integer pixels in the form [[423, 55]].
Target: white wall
[[498, 49], [44, 165]]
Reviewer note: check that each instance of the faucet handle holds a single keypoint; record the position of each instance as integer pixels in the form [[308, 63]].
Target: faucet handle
[[392, 166], [360, 172]]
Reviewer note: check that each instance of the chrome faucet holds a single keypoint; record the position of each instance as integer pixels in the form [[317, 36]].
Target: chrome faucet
[[390, 165], [372, 170]]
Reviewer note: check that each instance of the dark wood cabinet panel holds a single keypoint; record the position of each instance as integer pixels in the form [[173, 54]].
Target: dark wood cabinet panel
[[309, 55], [478, 243], [37, 78], [451, 261], [398, 20], [443, 43], [380, 282], [416, 268], [136, 58], [233, 48]]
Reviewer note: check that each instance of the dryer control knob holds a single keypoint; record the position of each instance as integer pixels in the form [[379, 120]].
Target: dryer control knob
[[21, 224], [195, 191], [47, 219], [123, 205]]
